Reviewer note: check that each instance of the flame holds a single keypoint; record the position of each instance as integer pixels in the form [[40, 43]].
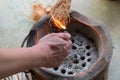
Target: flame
[[58, 23]]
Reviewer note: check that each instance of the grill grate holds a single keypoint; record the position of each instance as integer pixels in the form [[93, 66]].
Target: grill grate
[[82, 57]]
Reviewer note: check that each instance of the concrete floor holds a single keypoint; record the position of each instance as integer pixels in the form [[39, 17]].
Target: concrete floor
[[15, 22]]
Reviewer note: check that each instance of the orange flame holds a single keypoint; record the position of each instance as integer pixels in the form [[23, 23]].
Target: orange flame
[[58, 23]]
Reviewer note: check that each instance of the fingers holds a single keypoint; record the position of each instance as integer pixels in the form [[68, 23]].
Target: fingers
[[67, 43], [68, 47], [62, 44], [65, 36]]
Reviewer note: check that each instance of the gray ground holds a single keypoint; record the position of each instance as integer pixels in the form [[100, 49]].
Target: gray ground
[[15, 22]]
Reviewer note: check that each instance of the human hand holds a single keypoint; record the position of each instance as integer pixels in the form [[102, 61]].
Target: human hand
[[52, 49]]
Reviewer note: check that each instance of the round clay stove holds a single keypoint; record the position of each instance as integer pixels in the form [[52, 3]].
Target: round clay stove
[[90, 54]]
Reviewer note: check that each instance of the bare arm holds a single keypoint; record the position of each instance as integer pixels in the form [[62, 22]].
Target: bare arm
[[15, 60], [51, 48]]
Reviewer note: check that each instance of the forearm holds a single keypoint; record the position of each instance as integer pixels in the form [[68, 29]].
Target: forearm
[[51, 50], [15, 60]]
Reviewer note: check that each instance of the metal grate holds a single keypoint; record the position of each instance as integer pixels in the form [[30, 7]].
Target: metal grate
[[82, 57]]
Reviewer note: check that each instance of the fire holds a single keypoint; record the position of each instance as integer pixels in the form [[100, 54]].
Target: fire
[[39, 11], [58, 23]]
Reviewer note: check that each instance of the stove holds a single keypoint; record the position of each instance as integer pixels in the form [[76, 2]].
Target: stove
[[90, 54]]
